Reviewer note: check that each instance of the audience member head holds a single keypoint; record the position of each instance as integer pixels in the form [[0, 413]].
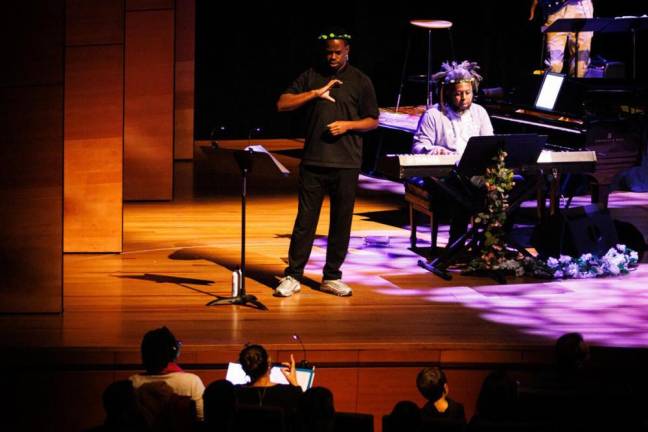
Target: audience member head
[[159, 348], [219, 403], [255, 362], [317, 410], [572, 353], [120, 404], [498, 396], [432, 384], [406, 416]]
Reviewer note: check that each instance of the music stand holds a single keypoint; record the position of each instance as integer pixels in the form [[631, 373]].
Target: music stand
[[254, 155], [522, 151], [624, 25]]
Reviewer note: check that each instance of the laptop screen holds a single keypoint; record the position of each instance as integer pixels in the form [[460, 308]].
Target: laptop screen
[[305, 377], [549, 91]]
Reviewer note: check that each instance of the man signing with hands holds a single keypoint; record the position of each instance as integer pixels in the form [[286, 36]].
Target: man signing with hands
[[341, 104]]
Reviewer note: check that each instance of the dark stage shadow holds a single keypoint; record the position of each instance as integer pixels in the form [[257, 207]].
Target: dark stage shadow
[[180, 281], [265, 276], [396, 218]]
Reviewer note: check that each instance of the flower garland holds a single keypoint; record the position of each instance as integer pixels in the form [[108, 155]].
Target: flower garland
[[618, 260], [493, 255], [495, 258]]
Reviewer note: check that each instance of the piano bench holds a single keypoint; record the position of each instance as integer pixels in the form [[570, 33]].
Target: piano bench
[[419, 199]]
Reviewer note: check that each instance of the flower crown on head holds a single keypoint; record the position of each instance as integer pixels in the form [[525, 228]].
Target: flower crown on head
[[333, 35], [453, 73]]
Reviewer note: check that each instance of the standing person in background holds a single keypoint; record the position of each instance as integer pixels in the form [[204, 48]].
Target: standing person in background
[[341, 104], [557, 43]]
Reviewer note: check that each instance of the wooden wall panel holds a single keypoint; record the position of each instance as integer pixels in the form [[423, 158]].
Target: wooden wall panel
[[93, 149], [185, 34], [148, 131], [31, 154], [380, 388], [93, 22], [31, 195]]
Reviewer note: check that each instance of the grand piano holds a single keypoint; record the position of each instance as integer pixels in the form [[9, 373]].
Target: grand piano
[[596, 127]]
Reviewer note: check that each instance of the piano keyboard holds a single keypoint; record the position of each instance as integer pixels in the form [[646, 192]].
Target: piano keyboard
[[422, 165]]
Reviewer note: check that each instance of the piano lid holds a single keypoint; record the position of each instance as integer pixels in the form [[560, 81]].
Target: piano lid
[[406, 119]]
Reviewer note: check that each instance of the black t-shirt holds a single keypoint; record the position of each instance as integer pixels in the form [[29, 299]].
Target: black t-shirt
[[355, 99], [284, 396]]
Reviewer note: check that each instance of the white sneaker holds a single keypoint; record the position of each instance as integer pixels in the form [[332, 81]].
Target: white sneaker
[[336, 287], [287, 286]]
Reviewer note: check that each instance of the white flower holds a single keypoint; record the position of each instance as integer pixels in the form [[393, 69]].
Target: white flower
[[572, 270], [621, 248], [634, 256], [558, 274], [552, 262], [586, 257], [564, 259]]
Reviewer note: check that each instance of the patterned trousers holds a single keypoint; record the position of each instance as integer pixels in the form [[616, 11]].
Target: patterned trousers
[[558, 43]]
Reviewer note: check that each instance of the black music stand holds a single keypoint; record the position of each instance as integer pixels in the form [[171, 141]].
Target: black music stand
[[523, 151], [624, 25], [246, 159]]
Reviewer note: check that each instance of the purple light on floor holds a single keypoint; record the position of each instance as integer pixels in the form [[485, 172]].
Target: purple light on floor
[[608, 311], [615, 200], [371, 183]]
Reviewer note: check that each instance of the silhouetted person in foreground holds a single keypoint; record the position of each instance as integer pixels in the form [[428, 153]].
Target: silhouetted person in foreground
[[433, 385], [120, 406], [316, 410], [219, 401], [405, 417]]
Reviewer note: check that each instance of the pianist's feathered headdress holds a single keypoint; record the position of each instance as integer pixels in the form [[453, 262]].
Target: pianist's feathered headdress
[[454, 73]]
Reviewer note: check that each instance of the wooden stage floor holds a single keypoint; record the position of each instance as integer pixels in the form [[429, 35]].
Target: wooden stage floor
[[368, 348], [179, 255]]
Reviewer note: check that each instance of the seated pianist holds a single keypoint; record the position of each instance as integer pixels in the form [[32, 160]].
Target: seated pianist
[[446, 127]]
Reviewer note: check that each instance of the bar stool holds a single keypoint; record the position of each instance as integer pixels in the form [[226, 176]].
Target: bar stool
[[429, 25]]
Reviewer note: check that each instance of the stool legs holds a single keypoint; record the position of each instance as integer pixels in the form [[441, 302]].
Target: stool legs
[[413, 226]]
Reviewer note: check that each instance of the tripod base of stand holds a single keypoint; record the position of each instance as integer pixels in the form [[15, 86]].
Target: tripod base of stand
[[240, 300], [443, 274]]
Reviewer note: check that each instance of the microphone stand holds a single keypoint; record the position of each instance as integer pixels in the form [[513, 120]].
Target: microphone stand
[[244, 159], [302, 363]]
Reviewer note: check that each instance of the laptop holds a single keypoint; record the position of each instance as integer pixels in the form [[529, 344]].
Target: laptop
[[305, 377], [549, 91]]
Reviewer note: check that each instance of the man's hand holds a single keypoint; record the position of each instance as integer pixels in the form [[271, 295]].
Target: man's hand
[[338, 127], [324, 92], [438, 150]]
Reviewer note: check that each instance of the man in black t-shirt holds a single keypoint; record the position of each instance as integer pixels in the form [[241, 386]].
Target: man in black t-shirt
[[341, 104]]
